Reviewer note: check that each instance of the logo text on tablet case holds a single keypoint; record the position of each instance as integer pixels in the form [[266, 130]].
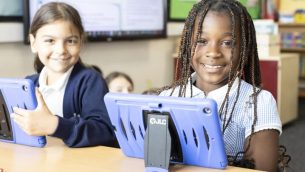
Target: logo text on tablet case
[[155, 121]]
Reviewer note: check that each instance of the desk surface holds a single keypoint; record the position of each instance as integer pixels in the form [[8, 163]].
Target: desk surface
[[56, 157]]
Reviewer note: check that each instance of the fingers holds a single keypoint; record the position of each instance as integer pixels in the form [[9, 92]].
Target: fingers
[[19, 111], [18, 119], [18, 116], [23, 123]]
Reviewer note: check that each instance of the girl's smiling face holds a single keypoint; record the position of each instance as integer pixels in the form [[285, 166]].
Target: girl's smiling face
[[212, 59], [58, 46]]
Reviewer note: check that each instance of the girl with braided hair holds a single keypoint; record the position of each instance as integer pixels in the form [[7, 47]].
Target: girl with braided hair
[[218, 59]]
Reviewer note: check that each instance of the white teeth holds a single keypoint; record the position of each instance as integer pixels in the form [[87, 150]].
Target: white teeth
[[212, 66]]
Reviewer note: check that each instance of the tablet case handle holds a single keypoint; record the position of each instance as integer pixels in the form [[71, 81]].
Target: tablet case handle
[[157, 143]]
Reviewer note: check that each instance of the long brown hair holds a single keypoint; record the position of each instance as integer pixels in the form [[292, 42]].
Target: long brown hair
[[49, 13]]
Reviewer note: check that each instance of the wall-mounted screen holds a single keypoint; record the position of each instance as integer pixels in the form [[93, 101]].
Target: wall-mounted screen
[[107, 20], [178, 10], [10, 10]]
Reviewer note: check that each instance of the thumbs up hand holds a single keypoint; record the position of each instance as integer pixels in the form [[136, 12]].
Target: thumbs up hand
[[36, 122]]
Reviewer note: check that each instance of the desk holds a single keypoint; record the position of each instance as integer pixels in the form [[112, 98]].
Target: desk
[[57, 157]]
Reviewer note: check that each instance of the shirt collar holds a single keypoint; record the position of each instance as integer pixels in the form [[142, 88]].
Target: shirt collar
[[215, 94], [59, 84]]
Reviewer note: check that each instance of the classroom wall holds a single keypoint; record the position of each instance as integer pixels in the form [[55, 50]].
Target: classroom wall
[[148, 62]]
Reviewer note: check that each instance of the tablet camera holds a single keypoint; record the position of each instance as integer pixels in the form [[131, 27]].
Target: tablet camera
[[207, 110], [25, 88]]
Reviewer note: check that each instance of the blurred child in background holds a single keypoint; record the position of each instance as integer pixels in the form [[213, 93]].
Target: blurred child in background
[[119, 82]]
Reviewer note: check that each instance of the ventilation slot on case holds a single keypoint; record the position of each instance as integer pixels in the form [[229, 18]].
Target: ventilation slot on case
[[141, 132], [24, 106], [185, 138], [195, 138], [123, 128], [133, 131], [206, 136]]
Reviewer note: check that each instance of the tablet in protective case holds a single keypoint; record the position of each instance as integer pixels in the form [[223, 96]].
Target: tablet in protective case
[[17, 93], [194, 125]]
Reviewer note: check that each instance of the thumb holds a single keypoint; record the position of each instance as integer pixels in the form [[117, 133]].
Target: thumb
[[40, 100]]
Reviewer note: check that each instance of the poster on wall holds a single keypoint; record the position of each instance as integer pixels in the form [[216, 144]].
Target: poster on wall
[[178, 10], [253, 7]]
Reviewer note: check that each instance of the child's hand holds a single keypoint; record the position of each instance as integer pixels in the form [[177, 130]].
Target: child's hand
[[36, 122]]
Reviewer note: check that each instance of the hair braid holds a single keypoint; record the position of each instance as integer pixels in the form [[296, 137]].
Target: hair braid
[[184, 71], [248, 63]]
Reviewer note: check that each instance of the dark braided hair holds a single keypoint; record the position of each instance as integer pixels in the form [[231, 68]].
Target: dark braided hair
[[248, 62]]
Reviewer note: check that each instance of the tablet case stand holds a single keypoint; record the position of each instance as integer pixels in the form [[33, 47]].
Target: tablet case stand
[[17, 93], [189, 134], [157, 143]]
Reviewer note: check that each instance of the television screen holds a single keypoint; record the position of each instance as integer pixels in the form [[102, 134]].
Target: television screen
[[107, 20], [179, 9], [10, 10]]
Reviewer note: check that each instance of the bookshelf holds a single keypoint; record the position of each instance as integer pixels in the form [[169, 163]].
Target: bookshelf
[[293, 41], [294, 50], [280, 77]]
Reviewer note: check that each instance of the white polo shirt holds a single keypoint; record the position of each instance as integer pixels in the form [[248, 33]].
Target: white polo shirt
[[240, 126], [53, 94]]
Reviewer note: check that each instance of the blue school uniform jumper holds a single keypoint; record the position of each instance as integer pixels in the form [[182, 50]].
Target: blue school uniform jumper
[[85, 119]]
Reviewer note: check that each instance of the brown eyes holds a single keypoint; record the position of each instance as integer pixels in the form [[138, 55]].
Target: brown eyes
[[202, 42], [72, 41], [69, 41], [49, 41], [225, 43], [228, 43]]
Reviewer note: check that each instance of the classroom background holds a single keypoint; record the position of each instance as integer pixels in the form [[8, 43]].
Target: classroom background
[[150, 62]]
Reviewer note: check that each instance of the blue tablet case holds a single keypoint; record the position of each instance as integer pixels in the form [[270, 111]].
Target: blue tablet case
[[17, 93], [194, 126]]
